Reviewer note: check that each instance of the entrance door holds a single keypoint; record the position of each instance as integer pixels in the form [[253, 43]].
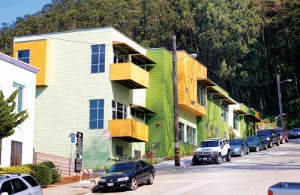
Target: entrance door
[[16, 153]]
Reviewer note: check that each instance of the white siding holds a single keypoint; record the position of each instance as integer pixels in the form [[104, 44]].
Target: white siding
[[188, 119], [24, 133], [231, 118]]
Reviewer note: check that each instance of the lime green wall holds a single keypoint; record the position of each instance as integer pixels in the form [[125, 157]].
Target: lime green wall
[[211, 121], [160, 100]]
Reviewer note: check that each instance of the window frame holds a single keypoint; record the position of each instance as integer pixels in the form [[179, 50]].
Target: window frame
[[191, 135], [118, 109], [201, 94], [99, 111], [24, 59], [99, 54], [181, 131], [20, 96]]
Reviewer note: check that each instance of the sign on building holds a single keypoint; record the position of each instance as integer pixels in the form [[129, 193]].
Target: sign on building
[[79, 147]]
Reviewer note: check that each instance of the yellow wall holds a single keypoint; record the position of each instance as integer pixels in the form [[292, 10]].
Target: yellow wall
[[189, 71], [38, 53]]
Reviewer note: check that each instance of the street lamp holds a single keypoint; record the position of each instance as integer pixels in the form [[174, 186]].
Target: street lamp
[[175, 95], [279, 99], [283, 114]]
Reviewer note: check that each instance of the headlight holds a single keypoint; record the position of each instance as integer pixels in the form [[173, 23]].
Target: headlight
[[123, 179], [215, 152], [102, 180], [237, 149], [254, 145], [268, 138]]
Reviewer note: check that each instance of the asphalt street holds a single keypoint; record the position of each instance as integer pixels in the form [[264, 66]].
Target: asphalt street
[[248, 175]]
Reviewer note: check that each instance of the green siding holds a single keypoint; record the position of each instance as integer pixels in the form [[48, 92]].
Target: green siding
[[160, 100]]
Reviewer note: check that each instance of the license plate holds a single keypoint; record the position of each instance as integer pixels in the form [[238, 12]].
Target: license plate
[[110, 184], [204, 158]]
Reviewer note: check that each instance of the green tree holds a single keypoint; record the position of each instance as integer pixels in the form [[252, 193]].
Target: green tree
[[8, 118]]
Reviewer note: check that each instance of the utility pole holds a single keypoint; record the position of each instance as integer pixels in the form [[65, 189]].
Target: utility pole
[[175, 95], [279, 101]]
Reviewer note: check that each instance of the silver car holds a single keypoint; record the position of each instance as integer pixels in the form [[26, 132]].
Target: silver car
[[19, 184]]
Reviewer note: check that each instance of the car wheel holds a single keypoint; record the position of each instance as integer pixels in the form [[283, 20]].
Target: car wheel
[[134, 184], [278, 142], [219, 160], [266, 147], [242, 153], [151, 179], [257, 149], [270, 144], [248, 151], [287, 140], [283, 141], [228, 157], [195, 161]]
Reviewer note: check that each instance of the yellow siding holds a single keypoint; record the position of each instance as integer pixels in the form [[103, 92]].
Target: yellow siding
[[38, 52], [189, 71], [128, 128], [129, 71]]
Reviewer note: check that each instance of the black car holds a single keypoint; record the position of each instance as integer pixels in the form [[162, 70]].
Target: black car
[[270, 136], [256, 143], [238, 147], [127, 174], [294, 133]]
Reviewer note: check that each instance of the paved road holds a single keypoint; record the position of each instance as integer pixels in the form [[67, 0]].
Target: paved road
[[248, 175]]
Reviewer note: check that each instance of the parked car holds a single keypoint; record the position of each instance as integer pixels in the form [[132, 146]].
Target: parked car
[[285, 188], [212, 150], [270, 136], [238, 147], [19, 184], [294, 133], [257, 143], [284, 137], [127, 174]]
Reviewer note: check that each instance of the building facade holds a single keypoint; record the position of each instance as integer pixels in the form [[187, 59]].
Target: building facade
[[94, 82], [17, 149]]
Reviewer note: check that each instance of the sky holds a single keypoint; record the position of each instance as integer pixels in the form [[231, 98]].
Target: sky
[[11, 9]]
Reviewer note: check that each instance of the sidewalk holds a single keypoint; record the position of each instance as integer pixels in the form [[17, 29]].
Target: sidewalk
[[73, 188]]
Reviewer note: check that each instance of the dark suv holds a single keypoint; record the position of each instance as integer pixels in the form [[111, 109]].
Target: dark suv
[[270, 135], [284, 137]]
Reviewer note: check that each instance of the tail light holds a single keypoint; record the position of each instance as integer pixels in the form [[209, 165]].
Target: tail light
[[270, 192]]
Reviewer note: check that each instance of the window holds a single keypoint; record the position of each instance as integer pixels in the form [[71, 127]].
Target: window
[[181, 131], [137, 154], [19, 98], [201, 94], [16, 153], [6, 187], [24, 55], [236, 121], [18, 185], [98, 58], [224, 112], [30, 180], [119, 150], [118, 110], [191, 135], [138, 114], [96, 114]]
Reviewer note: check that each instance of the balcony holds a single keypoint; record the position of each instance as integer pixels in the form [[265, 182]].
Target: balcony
[[129, 75], [128, 130]]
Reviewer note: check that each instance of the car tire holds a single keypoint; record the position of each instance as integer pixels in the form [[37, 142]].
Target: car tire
[[266, 147], [242, 154], [228, 157], [287, 140], [195, 161], [278, 142], [134, 184], [283, 141], [270, 144], [248, 152], [219, 159], [150, 180], [257, 149]]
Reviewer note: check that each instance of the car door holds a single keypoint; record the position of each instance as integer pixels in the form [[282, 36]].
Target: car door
[[146, 170], [139, 172], [19, 187]]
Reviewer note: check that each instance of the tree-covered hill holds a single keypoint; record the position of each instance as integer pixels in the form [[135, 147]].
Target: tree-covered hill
[[244, 43]]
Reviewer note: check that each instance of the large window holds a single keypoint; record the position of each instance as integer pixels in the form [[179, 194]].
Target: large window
[[98, 58], [181, 131], [236, 121], [118, 110], [24, 55], [19, 98], [96, 114], [138, 114], [224, 112], [201, 94], [191, 135], [16, 153]]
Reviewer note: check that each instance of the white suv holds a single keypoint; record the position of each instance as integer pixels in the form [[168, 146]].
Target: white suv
[[19, 184], [212, 150]]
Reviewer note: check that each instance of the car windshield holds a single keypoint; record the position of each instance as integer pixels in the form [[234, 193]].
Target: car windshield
[[121, 167], [296, 130], [206, 144], [278, 130], [264, 133], [235, 142], [251, 139]]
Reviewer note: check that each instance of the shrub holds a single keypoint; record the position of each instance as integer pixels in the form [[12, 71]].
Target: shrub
[[16, 169], [54, 171], [41, 173]]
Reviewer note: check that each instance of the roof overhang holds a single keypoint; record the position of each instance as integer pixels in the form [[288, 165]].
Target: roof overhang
[[207, 82], [131, 51], [252, 118], [142, 108]]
